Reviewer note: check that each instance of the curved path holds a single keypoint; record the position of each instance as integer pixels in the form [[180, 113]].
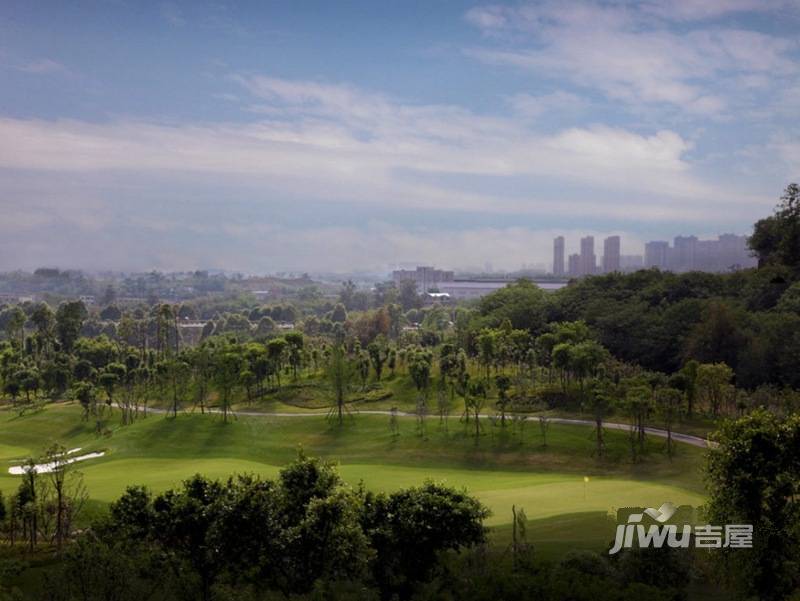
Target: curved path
[[695, 441]]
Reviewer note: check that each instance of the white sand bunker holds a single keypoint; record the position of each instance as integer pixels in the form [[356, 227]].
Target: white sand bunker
[[44, 468]]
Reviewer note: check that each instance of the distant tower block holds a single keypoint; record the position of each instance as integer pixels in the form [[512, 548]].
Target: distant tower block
[[574, 266], [558, 256], [588, 261], [611, 254]]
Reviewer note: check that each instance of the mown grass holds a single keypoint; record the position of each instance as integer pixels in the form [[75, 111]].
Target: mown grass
[[503, 468]]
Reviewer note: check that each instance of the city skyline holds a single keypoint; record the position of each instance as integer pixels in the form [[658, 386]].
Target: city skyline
[[686, 253]]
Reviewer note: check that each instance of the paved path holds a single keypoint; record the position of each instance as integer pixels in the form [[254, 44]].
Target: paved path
[[695, 441]]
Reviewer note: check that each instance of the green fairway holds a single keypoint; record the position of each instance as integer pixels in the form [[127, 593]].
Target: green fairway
[[502, 469]]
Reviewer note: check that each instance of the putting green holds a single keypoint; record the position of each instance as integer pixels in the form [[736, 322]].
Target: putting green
[[542, 495]]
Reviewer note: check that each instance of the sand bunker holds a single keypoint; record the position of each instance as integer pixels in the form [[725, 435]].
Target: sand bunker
[[44, 468]]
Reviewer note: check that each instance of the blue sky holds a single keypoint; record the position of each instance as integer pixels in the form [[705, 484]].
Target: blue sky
[[311, 136]]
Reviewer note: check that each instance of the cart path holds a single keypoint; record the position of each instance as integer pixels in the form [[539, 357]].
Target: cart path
[[695, 441]]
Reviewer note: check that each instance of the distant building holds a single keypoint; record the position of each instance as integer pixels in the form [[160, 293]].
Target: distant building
[[631, 262], [728, 252], [558, 256], [424, 277], [574, 266], [588, 260], [682, 256], [656, 254], [611, 254]]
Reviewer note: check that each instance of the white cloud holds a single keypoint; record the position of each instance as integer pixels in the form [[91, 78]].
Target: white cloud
[[312, 142], [533, 106], [694, 10], [326, 142], [42, 66], [623, 51]]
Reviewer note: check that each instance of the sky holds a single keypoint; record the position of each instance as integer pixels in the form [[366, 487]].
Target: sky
[[267, 137]]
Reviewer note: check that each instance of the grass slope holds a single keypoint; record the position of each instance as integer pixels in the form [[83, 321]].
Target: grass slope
[[501, 469]]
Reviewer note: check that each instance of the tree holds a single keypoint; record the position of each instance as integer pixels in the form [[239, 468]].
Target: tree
[[688, 383], [294, 346], [754, 478], [265, 327], [378, 354], [227, 365], [362, 365], [790, 300], [713, 385], [29, 381], [68, 489], [177, 372], [85, 394], [562, 361], [69, 321], [15, 325], [585, 357], [522, 303], [410, 529], [718, 337], [487, 349], [669, 405], [503, 384], [477, 400], [339, 314], [276, 351], [329, 543], [347, 294], [339, 373], [776, 239], [28, 500], [599, 402], [111, 313], [638, 403], [408, 296], [43, 320], [544, 427], [112, 375], [419, 368]]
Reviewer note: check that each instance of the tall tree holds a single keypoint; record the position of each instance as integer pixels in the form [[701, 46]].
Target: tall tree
[[339, 373], [69, 320], [669, 405], [754, 479], [776, 239], [227, 365]]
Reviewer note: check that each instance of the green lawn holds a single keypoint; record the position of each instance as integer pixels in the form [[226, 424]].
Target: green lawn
[[501, 469]]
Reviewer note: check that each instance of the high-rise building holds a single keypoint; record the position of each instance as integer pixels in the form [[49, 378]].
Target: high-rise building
[[727, 252], [682, 257], [574, 268], [631, 262], [588, 261], [558, 256], [425, 277], [734, 253], [611, 254], [656, 254]]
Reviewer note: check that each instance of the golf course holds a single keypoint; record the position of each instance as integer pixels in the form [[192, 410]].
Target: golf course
[[566, 492]]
